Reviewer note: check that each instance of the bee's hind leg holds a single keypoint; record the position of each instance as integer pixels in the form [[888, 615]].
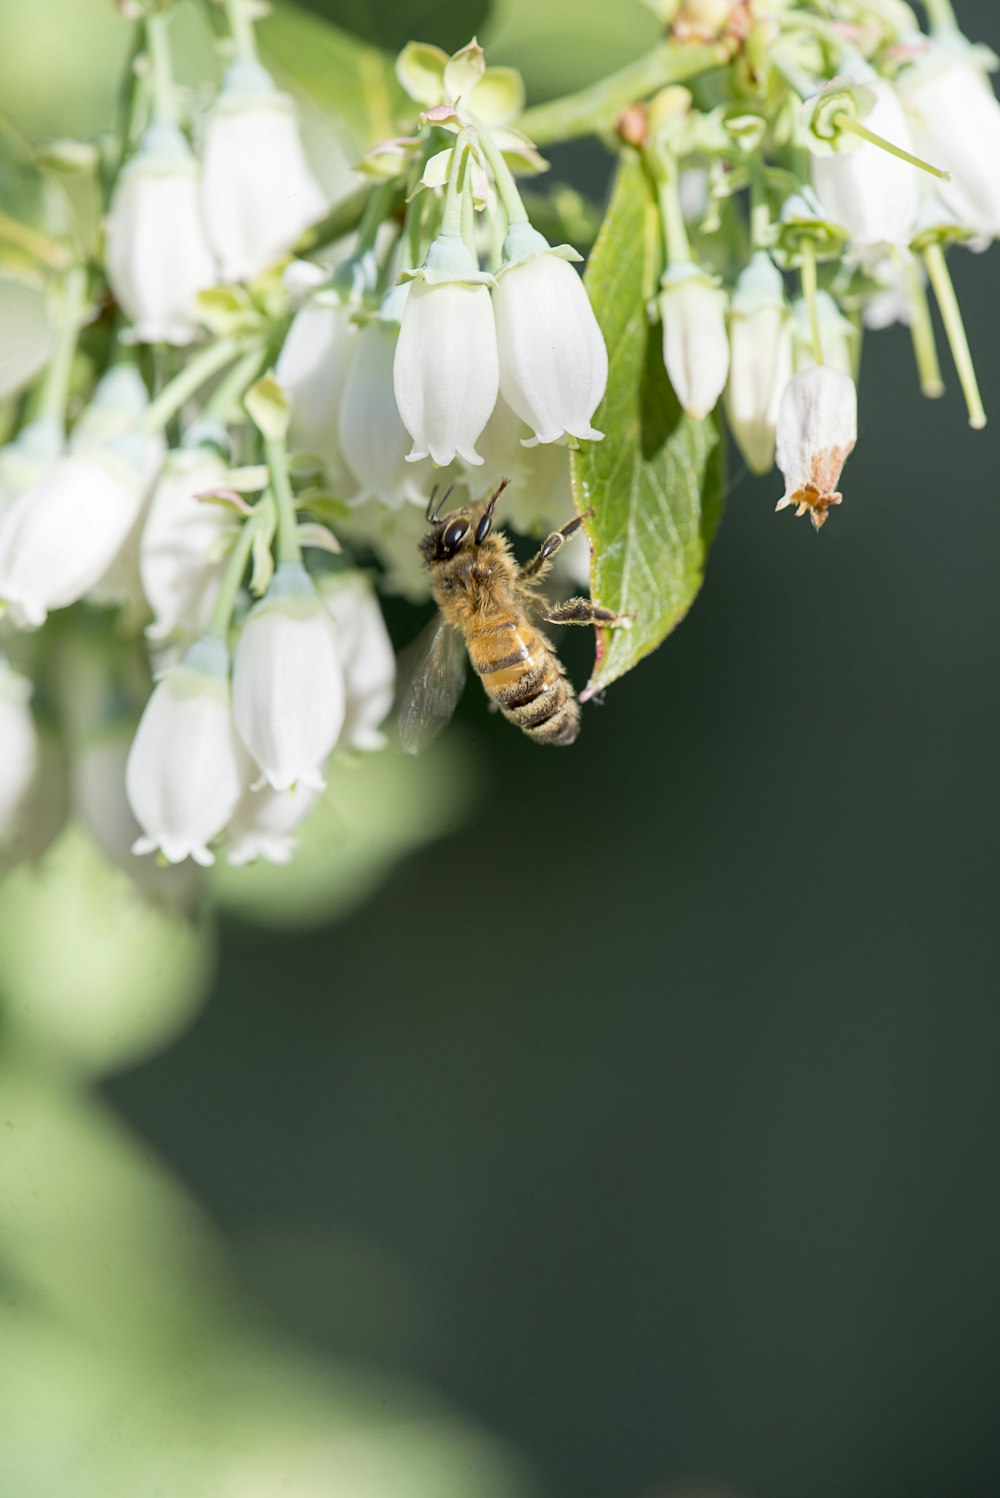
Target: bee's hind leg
[[584, 611], [539, 564]]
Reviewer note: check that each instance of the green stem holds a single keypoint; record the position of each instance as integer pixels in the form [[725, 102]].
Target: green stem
[[513, 206], [760, 213], [158, 49], [941, 15], [39, 246], [55, 391], [287, 547], [377, 210], [201, 368], [451, 219], [596, 109], [241, 30], [937, 269], [342, 220], [922, 333], [222, 404], [671, 213], [232, 579], [809, 288], [854, 127]]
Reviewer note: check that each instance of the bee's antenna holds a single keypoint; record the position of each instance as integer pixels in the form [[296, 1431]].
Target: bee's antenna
[[496, 495], [433, 510]]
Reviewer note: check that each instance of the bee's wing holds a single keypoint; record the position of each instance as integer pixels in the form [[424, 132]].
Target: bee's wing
[[432, 675]]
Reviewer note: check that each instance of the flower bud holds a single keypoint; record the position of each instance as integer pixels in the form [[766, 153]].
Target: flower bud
[[264, 821], [312, 369], [553, 362], [183, 544], [366, 652], [370, 430], [695, 342], [19, 741], [187, 769], [158, 257], [957, 127], [761, 361], [58, 539], [288, 682], [817, 430], [258, 193], [446, 372], [873, 194]]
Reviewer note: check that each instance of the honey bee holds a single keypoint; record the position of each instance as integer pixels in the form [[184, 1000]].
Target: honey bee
[[486, 600]]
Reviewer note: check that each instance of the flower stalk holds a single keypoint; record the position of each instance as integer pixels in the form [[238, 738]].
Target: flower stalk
[[232, 578], [55, 390], [241, 30], [161, 69], [951, 316], [922, 332], [287, 547], [191, 378]]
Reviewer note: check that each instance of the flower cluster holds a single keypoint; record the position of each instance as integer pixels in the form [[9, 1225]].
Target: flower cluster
[[861, 148], [254, 383]]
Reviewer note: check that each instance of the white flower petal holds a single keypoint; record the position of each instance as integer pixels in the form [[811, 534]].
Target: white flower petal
[[312, 369], [288, 682], [874, 195], [553, 362], [817, 430], [368, 658], [158, 256], [183, 542], [695, 342], [446, 372]]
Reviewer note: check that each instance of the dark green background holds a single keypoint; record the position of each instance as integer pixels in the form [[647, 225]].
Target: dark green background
[[653, 1115]]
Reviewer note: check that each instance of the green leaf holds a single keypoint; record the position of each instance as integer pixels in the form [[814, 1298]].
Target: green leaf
[[656, 481], [336, 72]]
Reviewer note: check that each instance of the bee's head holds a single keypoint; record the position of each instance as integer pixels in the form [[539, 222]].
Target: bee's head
[[458, 530]]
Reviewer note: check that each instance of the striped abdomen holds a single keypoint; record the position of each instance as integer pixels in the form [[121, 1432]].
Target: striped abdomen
[[523, 675]]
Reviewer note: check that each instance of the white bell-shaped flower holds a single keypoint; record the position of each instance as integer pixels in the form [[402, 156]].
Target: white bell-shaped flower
[[183, 545], [58, 538], [838, 335], [446, 372], [817, 430], [370, 430], [18, 745], [28, 458], [957, 126], [695, 341], [312, 369], [187, 769], [367, 655], [288, 682], [874, 195], [553, 360], [258, 192], [158, 256], [760, 340], [264, 822]]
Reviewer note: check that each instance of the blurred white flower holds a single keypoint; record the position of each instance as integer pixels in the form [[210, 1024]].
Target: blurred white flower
[[372, 437], [258, 192], [553, 362], [58, 538], [288, 682], [187, 769], [874, 195], [957, 127], [446, 372], [264, 821], [182, 547], [24, 461], [18, 745], [817, 430], [366, 653], [312, 368], [760, 341], [158, 256], [695, 341]]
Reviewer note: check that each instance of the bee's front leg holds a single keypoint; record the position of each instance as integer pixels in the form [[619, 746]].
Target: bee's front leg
[[539, 564], [584, 611]]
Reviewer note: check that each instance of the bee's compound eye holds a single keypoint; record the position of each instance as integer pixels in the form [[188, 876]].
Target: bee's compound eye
[[454, 534], [483, 529]]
